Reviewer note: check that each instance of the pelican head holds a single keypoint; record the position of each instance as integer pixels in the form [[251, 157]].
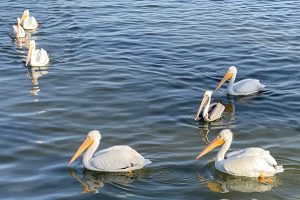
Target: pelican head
[[25, 15], [92, 137], [230, 73], [95, 135], [224, 135], [18, 27], [205, 101], [18, 21]]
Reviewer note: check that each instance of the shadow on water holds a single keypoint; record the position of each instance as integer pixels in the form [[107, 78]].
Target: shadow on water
[[34, 73], [92, 181]]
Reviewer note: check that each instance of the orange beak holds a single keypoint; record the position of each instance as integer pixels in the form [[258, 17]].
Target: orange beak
[[226, 77], [88, 142], [24, 16], [217, 142]]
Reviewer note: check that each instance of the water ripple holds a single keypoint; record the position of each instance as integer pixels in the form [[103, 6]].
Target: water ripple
[[136, 70]]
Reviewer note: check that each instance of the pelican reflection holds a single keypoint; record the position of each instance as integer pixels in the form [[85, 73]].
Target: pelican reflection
[[93, 181], [34, 73], [22, 41], [224, 183]]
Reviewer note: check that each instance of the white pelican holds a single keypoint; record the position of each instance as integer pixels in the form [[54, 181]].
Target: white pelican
[[17, 31], [28, 22], [209, 112], [114, 159], [249, 162], [36, 57], [243, 87]]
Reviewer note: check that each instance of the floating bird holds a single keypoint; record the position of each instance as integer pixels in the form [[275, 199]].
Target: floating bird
[[36, 57], [243, 87], [114, 159], [249, 162], [209, 112], [17, 31], [28, 22]]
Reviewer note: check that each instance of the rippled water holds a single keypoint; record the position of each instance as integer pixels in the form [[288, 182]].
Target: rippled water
[[136, 70]]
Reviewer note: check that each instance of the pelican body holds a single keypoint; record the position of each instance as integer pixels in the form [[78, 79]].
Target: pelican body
[[209, 112], [249, 162], [114, 159], [28, 22], [243, 87], [17, 30], [36, 57]]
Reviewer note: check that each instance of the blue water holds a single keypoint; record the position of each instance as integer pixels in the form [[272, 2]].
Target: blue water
[[136, 70]]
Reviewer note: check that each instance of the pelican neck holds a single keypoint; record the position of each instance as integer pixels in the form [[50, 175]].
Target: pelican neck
[[225, 147], [89, 154]]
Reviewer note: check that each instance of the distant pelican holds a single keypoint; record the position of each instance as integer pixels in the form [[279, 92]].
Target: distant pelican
[[209, 112], [28, 22], [17, 30], [114, 159], [36, 57], [243, 87], [249, 162]]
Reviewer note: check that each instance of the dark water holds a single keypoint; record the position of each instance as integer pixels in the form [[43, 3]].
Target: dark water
[[136, 70]]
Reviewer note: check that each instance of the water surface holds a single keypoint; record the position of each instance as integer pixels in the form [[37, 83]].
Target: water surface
[[136, 70]]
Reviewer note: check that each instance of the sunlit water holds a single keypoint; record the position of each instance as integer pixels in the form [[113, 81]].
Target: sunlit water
[[136, 70]]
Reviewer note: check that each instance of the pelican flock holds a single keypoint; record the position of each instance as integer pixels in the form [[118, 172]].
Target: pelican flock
[[243, 87], [36, 57], [114, 159], [209, 112], [28, 22], [249, 162]]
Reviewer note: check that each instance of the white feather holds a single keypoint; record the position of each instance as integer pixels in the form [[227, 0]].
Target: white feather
[[13, 32], [38, 57], [249, 162], [243, 87], [118, 158], [30, 23], [114, 159], [207, 111], [247, 87]]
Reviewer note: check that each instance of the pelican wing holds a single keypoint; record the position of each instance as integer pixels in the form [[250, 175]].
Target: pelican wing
[[248, 166], [42, 57], [30, 23], [250, 162], [247, 86], [13, 32], [253, 152], [215, 111], [118, 158]]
